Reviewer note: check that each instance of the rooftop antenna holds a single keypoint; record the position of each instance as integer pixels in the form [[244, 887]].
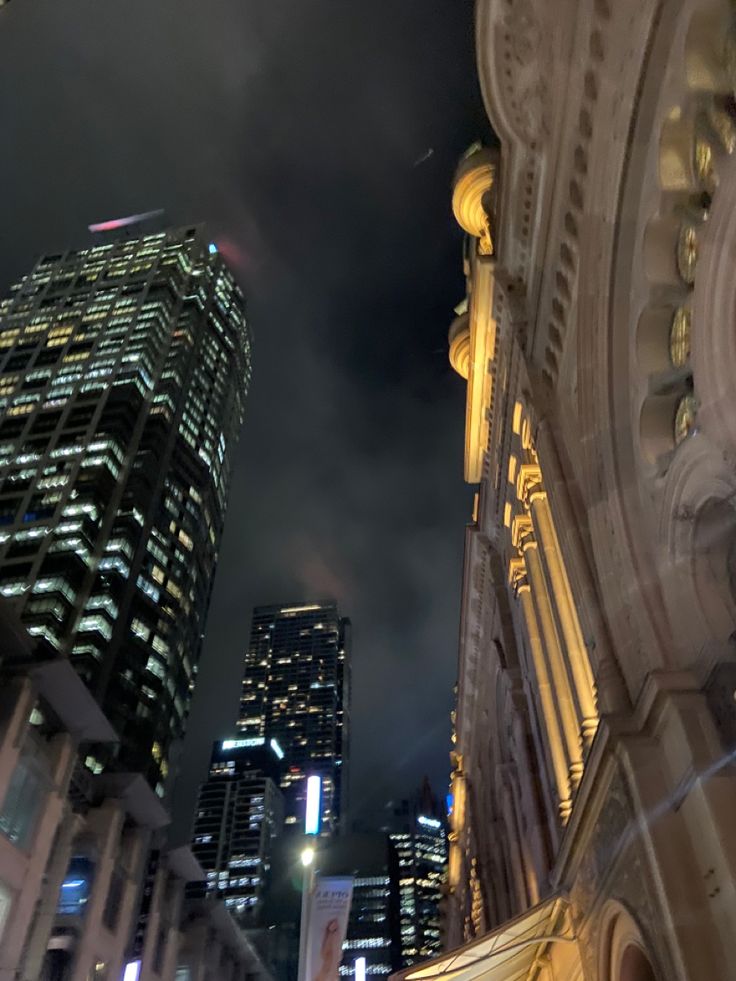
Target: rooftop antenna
[[115, 224]]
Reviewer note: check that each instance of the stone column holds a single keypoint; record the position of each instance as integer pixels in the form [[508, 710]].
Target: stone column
[[563, 696], [610, 687], [555, 743], [513, 844], [55, 873], [577, 654]]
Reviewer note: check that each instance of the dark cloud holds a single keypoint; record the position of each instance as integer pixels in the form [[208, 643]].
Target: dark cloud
[[299, 130]]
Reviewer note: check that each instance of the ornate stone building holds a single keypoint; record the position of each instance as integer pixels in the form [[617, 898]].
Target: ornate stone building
[[593, 824]]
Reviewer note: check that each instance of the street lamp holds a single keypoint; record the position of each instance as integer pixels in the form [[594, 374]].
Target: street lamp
[[307, 857]]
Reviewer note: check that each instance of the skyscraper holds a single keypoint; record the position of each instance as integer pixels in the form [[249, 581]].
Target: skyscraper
[[296, 689], [373, 924], [240, 812], [418, 831], [123, 373], [422, 853]]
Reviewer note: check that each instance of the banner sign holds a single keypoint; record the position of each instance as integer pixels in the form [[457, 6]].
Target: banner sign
[[329, 909]]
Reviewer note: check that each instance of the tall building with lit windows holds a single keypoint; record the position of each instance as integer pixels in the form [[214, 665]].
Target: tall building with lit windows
[[373, 923], [123, 374], [296, 689], [418, 832], [240, 813]]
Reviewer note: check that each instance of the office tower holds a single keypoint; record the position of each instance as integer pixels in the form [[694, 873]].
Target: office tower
[[373, 925], [296, 689], [417, 827], [239, 813], [422, 855], [123, 374]]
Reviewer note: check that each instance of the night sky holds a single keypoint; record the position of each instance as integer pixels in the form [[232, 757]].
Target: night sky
[[300, 131]]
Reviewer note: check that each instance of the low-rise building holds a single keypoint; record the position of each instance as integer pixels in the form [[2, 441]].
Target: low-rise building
[[89, 888]]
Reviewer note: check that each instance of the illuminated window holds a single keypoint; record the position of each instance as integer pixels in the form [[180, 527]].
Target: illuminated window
[[97, 623], [685, 418], [680, 337], [22, 803]]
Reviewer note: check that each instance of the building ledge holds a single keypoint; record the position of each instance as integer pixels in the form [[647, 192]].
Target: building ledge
[[184, 865], [137, 797], [72, 702]]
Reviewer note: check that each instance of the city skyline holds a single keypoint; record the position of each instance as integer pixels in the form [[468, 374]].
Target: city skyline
[[487, 254], [346, 252]]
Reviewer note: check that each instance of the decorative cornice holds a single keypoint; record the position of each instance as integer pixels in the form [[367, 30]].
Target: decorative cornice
[[459, 339], [522, 533], [517, 572], [473, 194], [529, 484]]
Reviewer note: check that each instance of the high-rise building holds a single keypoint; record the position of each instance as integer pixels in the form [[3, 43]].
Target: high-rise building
[[239, 814], [373, 924], [123, 373], [418, 831], [296, 689]]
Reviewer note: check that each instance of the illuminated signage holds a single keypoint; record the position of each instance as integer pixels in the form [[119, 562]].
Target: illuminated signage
[[132, 971], [360, 969], [314, 800], [429, 822], [277, 749], [242, 743]]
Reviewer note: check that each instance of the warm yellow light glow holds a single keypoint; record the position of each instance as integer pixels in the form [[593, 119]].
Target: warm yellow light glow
[[507, 515], [517, 418], [471, 196], [459, 339], [512, 468], [526, 435], [307, 857], [479, 399], [300, 609]]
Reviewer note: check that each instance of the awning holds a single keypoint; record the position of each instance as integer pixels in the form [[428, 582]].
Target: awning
[[504, 954]]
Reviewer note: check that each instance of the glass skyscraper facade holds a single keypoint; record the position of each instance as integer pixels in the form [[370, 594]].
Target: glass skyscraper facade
[[240, 812], [422, 854], [296, 689], [418, 830], [123, 374], [373, 922]]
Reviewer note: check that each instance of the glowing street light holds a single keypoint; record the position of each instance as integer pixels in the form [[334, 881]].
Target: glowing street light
[[307, 857]]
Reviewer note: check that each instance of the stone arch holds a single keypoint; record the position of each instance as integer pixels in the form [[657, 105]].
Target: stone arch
[[511, 67], [635, 965], [699, 533], [623, 954], [714, 313], [639, 402]]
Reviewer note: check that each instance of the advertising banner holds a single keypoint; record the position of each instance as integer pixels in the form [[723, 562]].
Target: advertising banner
[[329, 908]]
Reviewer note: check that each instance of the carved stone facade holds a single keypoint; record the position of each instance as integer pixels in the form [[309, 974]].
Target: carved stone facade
[[595, 727]]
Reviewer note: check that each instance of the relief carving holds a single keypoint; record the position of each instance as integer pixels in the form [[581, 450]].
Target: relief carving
[[519, 39]]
